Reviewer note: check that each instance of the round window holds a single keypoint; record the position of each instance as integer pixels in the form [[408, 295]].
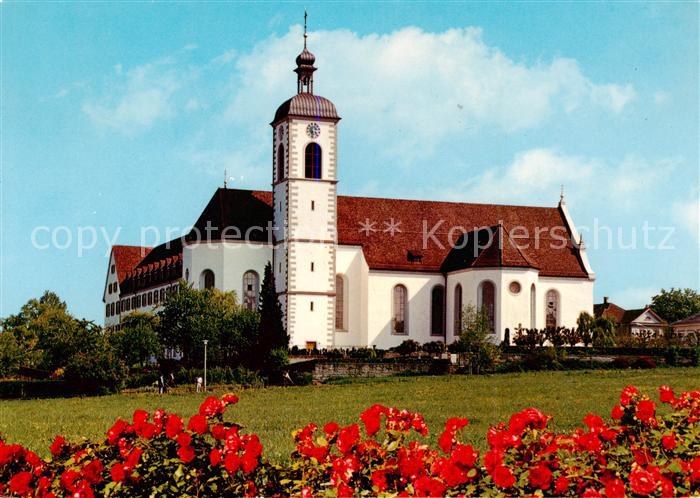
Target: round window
[[515, 287]]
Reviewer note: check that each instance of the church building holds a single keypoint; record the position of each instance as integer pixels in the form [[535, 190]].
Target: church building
[[360, 271]]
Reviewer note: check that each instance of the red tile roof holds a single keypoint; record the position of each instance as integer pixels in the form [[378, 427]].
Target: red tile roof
[[610, 310], [692, 319], [126, 258], [368, 222]]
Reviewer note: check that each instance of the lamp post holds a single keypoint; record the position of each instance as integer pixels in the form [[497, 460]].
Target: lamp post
[[205, 364]]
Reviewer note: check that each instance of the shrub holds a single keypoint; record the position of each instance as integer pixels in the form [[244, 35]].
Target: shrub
[[407, 347], [637, 452], [644, 362], [695, 356], [434, 347], [622, 362], [671, 356]]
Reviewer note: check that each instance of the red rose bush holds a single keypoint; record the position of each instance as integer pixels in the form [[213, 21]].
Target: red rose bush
[[637, 452]]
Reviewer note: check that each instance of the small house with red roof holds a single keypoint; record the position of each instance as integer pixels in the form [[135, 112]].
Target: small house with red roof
[[362, 271]]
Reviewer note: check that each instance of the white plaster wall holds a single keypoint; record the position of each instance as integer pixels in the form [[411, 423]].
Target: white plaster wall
[[298, 141], [351, 264], [575, 296], [470, 281], [380, 300], [307, 325], [113, 297], [228, 260]]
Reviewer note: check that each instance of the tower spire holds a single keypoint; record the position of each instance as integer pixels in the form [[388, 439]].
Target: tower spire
[[305, 65], [305, 35]]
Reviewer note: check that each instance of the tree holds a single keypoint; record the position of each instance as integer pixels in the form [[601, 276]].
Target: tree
[[676, 304], [585, 323], [137, 341], [603, 333], [272, 334], [476, 339], [190, 316]]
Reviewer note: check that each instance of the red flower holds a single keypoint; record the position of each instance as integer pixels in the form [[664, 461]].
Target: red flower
[[372, 418], [229, 399], [117, 472], [669, 442], [666, 394], [561, 486], [198, 424], [617, 412], [92, 472], [140, 417], [218, 432], [593, 421], [115, 432], [173, 426], [627, 394], [184, 439], [186, 453], [58, 445], [212, 406], [330, 428], [19, 484], [503, 477], [540, 476], [68, 479], [426, 486], [232, 462], [646, 411], [464, 455], [529, 417], [378, 480], [591, 493], [148, 430], [642, 481], [348, 437], [215, 457], [615, 488]]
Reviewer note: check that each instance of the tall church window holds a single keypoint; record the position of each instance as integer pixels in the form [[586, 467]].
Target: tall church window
[[437, 310], [250, 290], [339, 303], [207, 280], [280, 163], [458, 311], [312, 161], [552, 309], [487, 303], [533, 307], [400, 311]]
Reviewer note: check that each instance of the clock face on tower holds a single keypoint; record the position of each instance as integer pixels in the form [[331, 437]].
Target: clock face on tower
[[313, 130]]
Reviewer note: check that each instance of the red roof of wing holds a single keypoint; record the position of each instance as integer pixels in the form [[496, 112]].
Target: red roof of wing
[[688, 320], [367, 222], [127, 258], [609, 310], [439, 222]]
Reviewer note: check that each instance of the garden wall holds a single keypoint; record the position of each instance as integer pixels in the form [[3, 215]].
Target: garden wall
[[325, 370]]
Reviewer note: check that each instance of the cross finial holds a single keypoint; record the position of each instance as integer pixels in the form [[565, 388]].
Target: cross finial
[[225, 178], [561, 195], [305, 35]]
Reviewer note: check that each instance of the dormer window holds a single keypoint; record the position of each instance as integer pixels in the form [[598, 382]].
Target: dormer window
[[415, 256]]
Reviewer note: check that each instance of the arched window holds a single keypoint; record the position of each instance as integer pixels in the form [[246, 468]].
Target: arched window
[[400, 311], [280, 163], [458, 310], [533, 307], [251, 284], [340, 303], [312, 161], [437, 310], [551, 311], [207, 280], [487, 303]]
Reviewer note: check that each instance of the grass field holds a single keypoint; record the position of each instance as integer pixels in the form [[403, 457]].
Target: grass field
[[274, 412]]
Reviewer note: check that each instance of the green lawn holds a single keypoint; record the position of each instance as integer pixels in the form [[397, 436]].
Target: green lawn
[[273, 413]]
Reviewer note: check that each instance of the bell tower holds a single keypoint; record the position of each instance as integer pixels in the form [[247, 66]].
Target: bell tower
[[304, 183]]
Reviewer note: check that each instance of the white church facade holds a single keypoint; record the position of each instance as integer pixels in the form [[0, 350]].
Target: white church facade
[[359, 271]]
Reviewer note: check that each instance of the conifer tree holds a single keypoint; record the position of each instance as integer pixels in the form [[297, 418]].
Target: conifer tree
[[273, 340]]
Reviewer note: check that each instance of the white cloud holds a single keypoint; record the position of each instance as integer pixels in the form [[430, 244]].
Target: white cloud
[[687, 214], [535, 176], [426, 86], [138, 98]]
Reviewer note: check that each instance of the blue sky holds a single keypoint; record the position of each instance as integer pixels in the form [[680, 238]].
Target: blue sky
[[121, 116]]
